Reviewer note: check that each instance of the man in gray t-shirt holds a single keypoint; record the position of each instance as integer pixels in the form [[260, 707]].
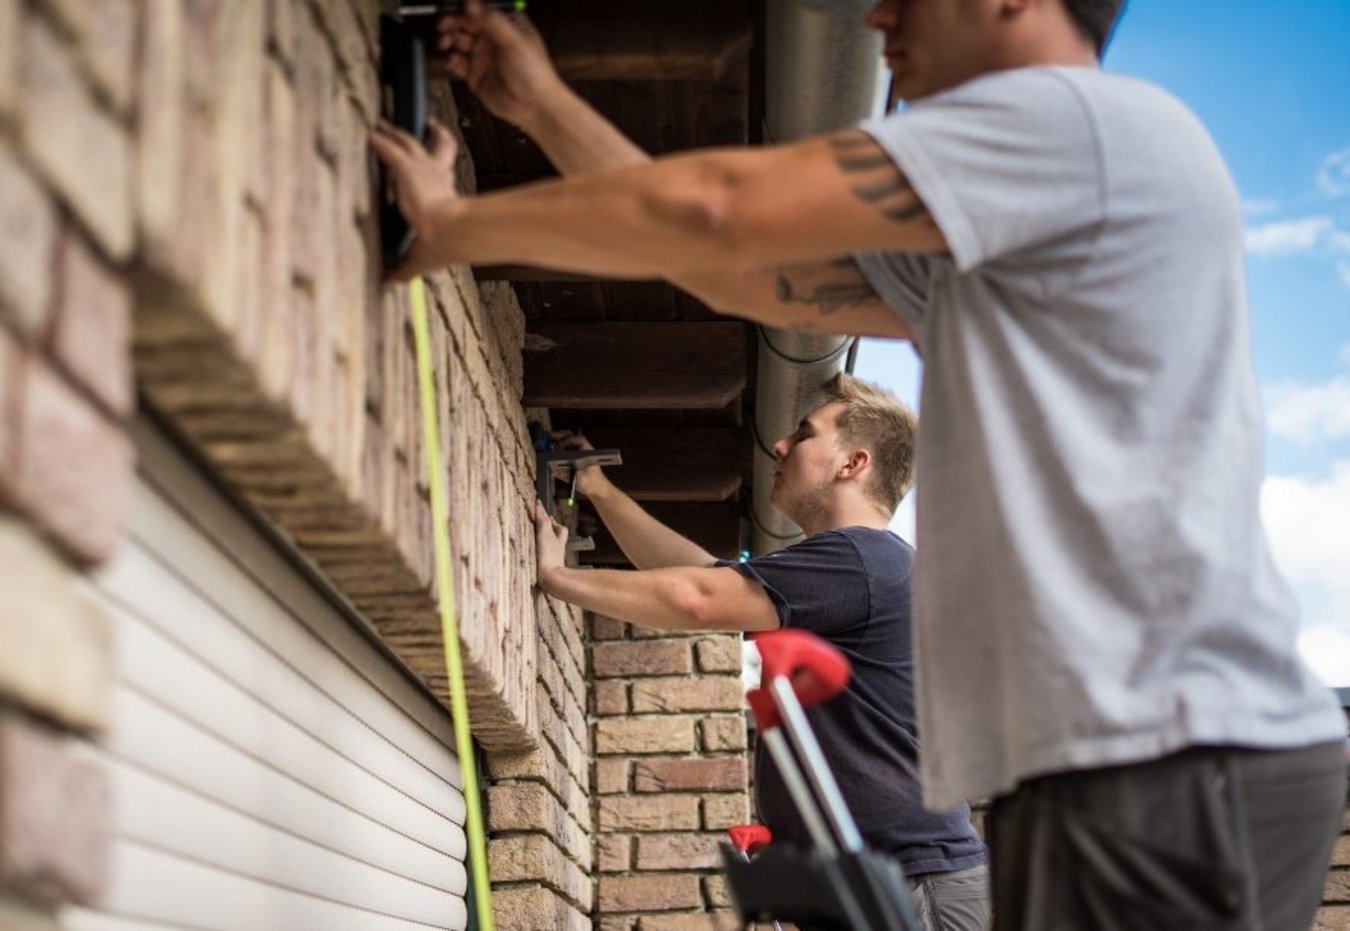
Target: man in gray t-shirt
[[1103, 642]]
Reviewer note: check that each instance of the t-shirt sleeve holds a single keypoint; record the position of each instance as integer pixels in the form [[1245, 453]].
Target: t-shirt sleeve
[[819, 584], [1003, 163], [903, 281]]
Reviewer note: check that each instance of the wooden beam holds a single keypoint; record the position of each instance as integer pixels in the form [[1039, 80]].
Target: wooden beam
[[524, 273], [715, 527], [615, 366], [619, 40], [675, 463], [644, 41]]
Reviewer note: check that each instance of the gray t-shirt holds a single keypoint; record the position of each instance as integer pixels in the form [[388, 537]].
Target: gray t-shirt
[[1093, 585]]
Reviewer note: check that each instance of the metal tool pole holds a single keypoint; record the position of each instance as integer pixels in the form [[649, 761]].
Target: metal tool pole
[[793, 721]]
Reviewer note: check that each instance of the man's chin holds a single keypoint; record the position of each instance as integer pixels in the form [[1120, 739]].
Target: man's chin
[[906, 86]]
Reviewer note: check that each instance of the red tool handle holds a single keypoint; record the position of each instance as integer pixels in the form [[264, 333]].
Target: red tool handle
[[818, 671], [750, 838]]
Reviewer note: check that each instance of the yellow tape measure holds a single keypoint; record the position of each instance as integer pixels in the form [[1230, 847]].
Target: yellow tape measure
[[445, 584]]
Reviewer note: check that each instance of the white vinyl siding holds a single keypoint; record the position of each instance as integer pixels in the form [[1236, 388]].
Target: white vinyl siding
[[271, 767]]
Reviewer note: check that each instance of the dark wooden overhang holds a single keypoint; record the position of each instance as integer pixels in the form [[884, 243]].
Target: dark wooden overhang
[[641, 366]]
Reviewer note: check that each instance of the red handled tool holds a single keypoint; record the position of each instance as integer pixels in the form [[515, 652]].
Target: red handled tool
[[839, 883]]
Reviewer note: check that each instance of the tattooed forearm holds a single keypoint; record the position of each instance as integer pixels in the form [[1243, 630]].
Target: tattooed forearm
[[874, 178], [828, 286]]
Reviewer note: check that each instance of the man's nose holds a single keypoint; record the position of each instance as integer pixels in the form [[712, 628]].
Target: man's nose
[[780, 450]]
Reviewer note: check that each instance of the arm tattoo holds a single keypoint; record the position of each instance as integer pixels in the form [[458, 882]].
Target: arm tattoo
[[827, 286], [875, 178]]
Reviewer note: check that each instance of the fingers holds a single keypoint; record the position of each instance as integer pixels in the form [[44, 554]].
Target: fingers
[[569, 440], [444, 147], [546, 524], [395, 140], [460, 32], [542, 519], [388, 151], [505, 30], [480, 63], [395, 146], [525, 24]]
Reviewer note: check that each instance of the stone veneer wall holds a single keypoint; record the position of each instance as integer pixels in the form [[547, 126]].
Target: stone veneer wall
[[186, 210]]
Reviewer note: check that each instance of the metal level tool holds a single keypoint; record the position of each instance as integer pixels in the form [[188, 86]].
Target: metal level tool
[[549, 458], [839, 883]]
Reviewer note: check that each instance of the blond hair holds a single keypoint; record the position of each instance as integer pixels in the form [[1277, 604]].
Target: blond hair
[[876, 420]]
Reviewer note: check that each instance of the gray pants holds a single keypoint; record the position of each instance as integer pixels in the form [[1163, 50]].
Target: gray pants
[[1209, 839], [956, 901]]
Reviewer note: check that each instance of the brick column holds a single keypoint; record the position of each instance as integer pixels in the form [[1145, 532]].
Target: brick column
[[670, 775]]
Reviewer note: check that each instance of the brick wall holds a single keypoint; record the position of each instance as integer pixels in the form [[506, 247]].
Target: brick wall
[[65, 460], [186, 210], [670, 775]]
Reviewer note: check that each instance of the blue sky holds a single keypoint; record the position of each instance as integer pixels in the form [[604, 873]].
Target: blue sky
[[1272, 84]]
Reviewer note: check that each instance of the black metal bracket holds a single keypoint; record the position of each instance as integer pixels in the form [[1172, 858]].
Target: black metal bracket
[[403, 79], [548, 457]]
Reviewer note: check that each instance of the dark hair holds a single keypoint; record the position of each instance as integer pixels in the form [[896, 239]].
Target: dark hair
[[1096, 19]]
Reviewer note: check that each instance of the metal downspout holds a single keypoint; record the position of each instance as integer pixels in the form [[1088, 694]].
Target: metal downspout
[[822, 65]]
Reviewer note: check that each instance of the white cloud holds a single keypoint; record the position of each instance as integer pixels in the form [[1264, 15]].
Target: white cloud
[[1290, 237], [1316, 235], [1327, 651], [1308, 413], [1309, 526], [1260, 207], [1334, 176]]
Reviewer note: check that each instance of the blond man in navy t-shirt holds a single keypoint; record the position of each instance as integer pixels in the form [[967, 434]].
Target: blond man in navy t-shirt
[[840, 476]]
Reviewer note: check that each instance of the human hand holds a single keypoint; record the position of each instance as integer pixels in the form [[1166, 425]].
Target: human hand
[[503, 60], [424, 182], [550, 541], [591, 481]]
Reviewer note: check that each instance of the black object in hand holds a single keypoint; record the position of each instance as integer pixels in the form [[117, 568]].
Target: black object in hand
[[403, 76]]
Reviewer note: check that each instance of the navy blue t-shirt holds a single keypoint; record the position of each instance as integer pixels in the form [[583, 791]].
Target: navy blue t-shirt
[[851, 587]]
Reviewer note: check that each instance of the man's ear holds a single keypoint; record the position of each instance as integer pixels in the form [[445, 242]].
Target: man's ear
[[856, 464]]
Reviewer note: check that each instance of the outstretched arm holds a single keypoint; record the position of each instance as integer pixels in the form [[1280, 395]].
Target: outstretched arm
[[505, 63], [648, 543], [662, 599], [727, 211], [503, 60]]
